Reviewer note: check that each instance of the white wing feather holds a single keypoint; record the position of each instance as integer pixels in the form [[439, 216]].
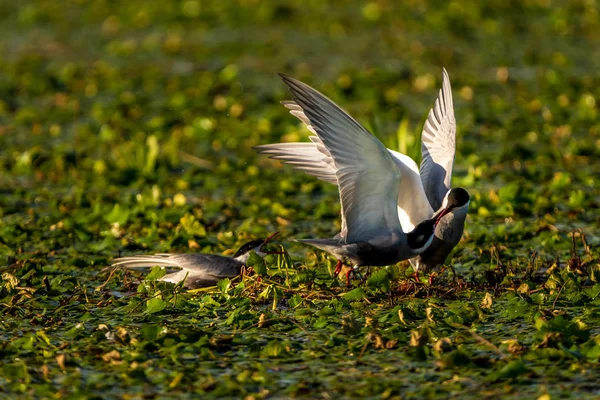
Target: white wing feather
[[314, 159], [367, 176], [438, 145]]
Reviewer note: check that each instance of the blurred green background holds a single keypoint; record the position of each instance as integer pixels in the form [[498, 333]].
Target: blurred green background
[[100, 98], [127, 127]]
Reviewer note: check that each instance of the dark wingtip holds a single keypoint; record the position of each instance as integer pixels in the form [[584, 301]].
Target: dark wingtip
[[288, 80], [260, 148]]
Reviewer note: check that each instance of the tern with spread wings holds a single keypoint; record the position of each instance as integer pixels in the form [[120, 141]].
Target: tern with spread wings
[[369, 181], [373, 180]]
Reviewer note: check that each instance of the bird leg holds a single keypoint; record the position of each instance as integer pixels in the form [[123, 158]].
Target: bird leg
[[415, 276], [338, 268], [350, 272], [354, 271], [431, 276]]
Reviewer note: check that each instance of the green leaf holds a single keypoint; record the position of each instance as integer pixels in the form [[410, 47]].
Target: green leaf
[[513, 369], [155, 305], [224, 285], [320, 323], [77, 330], [508, 192], [274, 349], [516, 308], [156, 273], [380, 279], [150, 332], [209, 300], [191, 226], [592, 292], [232, 316], [538, 298], [355, 295], [295, 301], [152, 154], [327, 311], [118, 215], [42, 335], [591, 348], [257, 263], [595, 273]]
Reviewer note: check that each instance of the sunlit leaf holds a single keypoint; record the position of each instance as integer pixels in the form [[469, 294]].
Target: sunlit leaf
[[155, 305]]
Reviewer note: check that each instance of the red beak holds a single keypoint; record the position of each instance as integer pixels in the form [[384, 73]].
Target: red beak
[[271, 236], [441, 214]]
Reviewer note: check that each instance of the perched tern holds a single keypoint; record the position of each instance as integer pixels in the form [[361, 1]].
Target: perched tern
[[369, 182], [342, 152], [199, 270]]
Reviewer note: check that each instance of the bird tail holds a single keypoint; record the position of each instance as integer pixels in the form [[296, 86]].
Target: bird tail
[[144, 261], [328, 245], [160, 260]]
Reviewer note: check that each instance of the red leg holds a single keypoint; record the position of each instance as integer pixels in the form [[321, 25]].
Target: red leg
[[433, 274], [338, 268], [416, 276], [350, 271]]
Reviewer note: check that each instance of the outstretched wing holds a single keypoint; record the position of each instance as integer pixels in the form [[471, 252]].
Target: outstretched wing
[[314, 158], [438, 145], [311, 157], [367, 176]]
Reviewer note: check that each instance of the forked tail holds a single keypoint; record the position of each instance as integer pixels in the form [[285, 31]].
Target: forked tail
[[329, 245], [162, 260]]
